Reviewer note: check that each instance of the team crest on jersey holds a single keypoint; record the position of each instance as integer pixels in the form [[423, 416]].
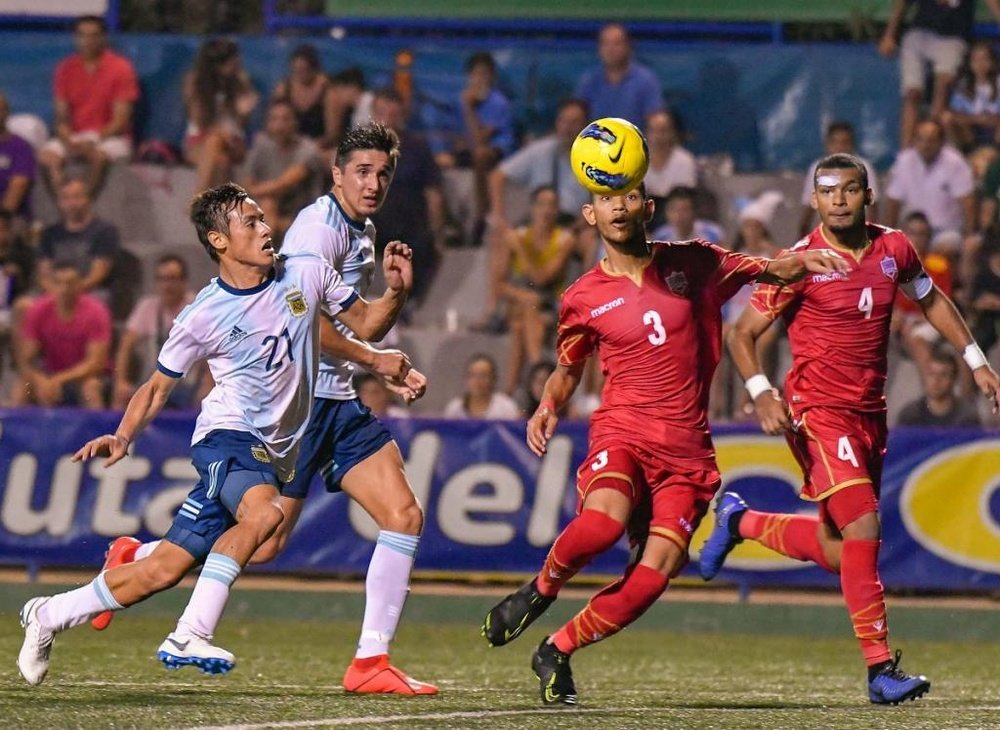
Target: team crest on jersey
[[889, 268], [296, 303], [260, 454], [677, 281]]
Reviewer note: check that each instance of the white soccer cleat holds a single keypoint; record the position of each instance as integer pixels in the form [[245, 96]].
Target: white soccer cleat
[[181, 650], [33, 660]]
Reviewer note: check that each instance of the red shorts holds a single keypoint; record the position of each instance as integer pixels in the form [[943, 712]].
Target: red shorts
[[838, 449], [667, 500]]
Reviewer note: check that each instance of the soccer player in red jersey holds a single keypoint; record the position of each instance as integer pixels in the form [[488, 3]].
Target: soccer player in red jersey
[[833, 408], [651, 311]]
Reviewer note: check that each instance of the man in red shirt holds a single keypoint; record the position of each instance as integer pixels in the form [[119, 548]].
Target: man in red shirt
[[64, 345], [652, 313], [833, 409], [95, 90]]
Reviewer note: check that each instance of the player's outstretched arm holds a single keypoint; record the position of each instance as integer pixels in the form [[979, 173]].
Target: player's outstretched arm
[[792, 267], [143, 407], [742, 342], [388, 364], [559, 388], [940, 311]]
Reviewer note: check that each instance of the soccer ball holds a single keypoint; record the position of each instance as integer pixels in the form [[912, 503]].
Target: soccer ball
[[609, 156]]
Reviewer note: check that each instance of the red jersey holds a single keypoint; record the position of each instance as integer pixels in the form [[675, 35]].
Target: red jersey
[[659, 341], [91, 93], [838, 324]]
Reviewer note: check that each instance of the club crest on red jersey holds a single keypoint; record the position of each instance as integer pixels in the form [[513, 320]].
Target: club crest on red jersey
[[889, 268], [677, 282]]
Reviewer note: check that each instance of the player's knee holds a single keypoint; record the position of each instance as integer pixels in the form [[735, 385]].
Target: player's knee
[[408, 519], [267, 519], [865, 527]]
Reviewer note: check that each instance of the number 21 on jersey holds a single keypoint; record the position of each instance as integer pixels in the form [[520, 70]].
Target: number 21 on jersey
[[659, 335]]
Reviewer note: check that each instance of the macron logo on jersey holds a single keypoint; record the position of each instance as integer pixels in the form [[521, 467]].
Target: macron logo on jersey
[[606, 307], [235, 335], [832, 276]]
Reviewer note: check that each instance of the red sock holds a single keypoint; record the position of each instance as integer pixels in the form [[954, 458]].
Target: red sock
[[791, 535], [589, 534], [611, 610], [865, 598]]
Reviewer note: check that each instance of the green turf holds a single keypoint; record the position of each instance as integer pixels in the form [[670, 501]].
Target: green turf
[[683, 665]]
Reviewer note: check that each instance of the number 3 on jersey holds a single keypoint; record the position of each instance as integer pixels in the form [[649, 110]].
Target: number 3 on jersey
[[659, 335]]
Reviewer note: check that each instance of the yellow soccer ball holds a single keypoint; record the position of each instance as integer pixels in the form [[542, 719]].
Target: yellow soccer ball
[[610, 156]]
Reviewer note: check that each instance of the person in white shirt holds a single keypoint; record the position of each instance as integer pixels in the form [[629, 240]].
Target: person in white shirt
[[481, 399], [257, 325], [670, 165]]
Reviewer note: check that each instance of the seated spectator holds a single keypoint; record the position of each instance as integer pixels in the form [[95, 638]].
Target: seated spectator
[[415, 212], [218, 99], [17, 265], [534, 386], [984, 292], [281, 168], [839, 139], [95, 91], [63, 348], [681, 223], [80, 239], [309, 91], [481, 399], [373, 394], [146, 331], [350, 103], [939, 405], [973, 116], [621, 86], [670, 164], [535, 275], [17, 169]]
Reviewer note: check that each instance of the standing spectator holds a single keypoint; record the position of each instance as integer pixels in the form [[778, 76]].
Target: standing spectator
[[621, 87], [63, 349], [146, 331], [681, 222], [17, 168], [973, 115], [373, 393], [80, 239], [281, 169], [939, 406], [219, 99], [415, 212], [481, 399], [839, 139], [938, 35], [934, 178], [984, 293], [95, 91], [309, 91], [670, 164]]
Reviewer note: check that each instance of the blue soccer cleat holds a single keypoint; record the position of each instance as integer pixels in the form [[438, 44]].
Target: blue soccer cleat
[[722, 540], [178, 651], [892, 686]]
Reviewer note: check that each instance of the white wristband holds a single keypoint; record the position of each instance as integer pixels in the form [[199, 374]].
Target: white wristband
[[974, 357], [757, 384]]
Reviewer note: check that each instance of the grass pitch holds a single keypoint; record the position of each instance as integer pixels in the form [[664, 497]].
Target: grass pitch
[[683, 665]]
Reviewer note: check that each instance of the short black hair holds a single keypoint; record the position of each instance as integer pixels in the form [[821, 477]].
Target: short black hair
[[573, 101], [482, 357], [536, 191], [641, 187], [95, 19], [481, 58], [916, 215], [842, 161], [210, 211], [307, 53], [839, 125], [370, 136], [681, 192], [351, 76], [172, 258], [944, 354]]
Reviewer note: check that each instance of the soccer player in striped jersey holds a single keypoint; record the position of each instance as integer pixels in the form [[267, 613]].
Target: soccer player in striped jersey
[[833, 410], [257, 325]]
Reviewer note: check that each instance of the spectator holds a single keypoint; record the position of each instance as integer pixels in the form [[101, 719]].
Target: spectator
[[621, 87], [681, 222], [146, 331], [17, 264], [374, 395], [534, 386], [839, 139], [62, 352], [984, 292], [480, 399], [415, 212], [95, 91], [17, 168], [310, 93], [939, 406], [281, 168], [219, 99], [534, 277], [670, 164], [939, 36], [350, 103], [933, 178], [973, 115], [481, 134], [80, 239]]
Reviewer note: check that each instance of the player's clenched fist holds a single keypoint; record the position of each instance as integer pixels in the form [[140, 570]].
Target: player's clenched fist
[[397, 266], [772, 412]]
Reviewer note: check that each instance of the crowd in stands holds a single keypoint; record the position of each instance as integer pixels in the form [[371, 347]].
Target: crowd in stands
[[69, 336]]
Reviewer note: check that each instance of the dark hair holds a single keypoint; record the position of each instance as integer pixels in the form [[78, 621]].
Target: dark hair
[[681, 192], [641, 187], [172, 258], [282, 101], [352, 76], [209, 85], [944, 354], [839, 125], [64, 265], [573, 101], [95, 19], [535, 192], [307, 53], [916, 215], [370, 136], [6, 216], [483, 357], [966, 82], [210, 211], [481, 58], [842, 161], [388, 93]]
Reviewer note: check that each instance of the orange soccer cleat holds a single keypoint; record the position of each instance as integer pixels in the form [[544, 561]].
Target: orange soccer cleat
[[375, 675], [121, 550]]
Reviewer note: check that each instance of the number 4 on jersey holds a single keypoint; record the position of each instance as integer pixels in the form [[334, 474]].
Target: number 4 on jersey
[[844, 450], [866, 302]]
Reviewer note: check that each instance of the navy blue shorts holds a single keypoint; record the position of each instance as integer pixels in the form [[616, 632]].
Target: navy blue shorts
[[341, 434], [229, 463]]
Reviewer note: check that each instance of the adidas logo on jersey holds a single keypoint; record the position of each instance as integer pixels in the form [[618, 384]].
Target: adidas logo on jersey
[[235, 335]]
